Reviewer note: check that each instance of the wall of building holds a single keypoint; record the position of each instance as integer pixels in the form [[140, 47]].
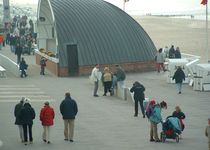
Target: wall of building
[[53, 67], [50, 65]]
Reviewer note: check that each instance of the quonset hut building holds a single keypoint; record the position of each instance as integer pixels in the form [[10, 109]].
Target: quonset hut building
[[83, 33]]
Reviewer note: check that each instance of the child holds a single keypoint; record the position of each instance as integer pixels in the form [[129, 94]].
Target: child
[[180, 115], [43, 65], [207, 132]]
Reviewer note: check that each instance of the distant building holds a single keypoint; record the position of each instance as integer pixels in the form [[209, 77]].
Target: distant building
[[6, 12], [83, 33]]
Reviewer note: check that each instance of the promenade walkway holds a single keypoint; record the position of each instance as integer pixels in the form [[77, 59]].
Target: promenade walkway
[[103, 123]]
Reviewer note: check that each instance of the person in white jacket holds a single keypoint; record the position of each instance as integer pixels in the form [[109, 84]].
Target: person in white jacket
[[95, 76]]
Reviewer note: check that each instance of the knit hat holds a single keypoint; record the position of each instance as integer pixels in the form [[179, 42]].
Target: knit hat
[[26, 101], [152, 102]]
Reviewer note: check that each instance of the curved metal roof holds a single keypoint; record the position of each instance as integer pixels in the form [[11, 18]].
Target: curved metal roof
[[103, 33]]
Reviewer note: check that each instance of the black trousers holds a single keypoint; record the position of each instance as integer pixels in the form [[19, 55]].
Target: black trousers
[[23, 72], [141, 106], [107, 87], [27, 129]]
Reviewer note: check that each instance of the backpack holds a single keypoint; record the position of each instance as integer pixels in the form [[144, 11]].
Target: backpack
[[147, 107]]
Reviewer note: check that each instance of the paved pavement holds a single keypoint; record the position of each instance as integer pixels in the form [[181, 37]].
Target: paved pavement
[[103, 123]]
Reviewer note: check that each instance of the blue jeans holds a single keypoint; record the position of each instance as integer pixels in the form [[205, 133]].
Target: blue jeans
[[114, 81], [179, 87]]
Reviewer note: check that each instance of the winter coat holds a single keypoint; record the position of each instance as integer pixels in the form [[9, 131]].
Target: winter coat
[[179, 76], [120, 74], [171, 52], [177, 54], [95, 74], [18, 50], [107, 77], [27, 114], [17, 110], [23, 65], [160, 57], [138, 92], [43, 62], [155, 116], [179, 115], [68, 108], [47, 116]]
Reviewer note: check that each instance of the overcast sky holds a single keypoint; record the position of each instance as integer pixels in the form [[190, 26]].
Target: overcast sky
[[146, 5]]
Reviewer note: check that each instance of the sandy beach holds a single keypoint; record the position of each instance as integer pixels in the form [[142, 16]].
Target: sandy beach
[[188, 34]]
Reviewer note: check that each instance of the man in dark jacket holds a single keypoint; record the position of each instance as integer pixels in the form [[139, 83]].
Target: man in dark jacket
[[68, 109], [18, 121], [18, 52], [27, 115], [138, 90], [179, 77], [172, 52]]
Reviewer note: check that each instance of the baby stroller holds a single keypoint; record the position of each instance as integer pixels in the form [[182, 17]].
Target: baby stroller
[[171, 129]]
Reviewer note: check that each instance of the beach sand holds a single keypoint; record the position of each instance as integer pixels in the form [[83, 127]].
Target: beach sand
[[188, 34]]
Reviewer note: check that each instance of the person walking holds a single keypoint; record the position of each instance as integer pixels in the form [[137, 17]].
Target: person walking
[[207, 132], [18, 121], [18, 52], [160, 60], [68, 109], [138, 90], [23, 67], [107, 80], [179, 77], [43, 65], [27, 115], [47, 116], [1, 41], [95, 76]]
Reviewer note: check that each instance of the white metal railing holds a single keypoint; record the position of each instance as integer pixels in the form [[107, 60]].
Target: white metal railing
[[9, 65]]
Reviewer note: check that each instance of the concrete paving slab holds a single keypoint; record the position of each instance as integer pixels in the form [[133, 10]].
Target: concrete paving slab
[[106, 123]]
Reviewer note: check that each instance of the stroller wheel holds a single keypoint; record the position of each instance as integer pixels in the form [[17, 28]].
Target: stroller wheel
[[177, 138]]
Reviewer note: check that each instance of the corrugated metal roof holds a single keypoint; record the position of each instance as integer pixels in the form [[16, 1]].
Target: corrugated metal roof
[[103, 33]]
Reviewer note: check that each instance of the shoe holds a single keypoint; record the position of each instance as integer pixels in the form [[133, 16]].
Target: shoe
[[143, 116], [180, 92], [135, 115], [152, 140], [48, 142], [44, 140], [158, 140], [71, 140], [104, 95], [96, 95], [65, 139]]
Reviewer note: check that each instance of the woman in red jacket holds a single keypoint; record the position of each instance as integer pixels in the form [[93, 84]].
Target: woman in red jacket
[[47, 116]]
